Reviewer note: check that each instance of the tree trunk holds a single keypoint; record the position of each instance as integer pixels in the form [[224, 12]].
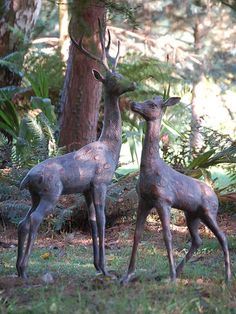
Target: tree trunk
[[196, 142], [63, 28], [20, 15], [81, 93]]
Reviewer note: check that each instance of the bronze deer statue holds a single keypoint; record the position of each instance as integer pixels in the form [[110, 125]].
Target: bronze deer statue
[[88, 170], [161, 187]]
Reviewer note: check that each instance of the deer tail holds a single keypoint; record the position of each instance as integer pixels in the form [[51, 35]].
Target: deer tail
[[24, 183]]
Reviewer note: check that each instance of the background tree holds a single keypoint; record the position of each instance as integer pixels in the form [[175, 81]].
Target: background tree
[[63, 12], [17, 18], [187, 31], [81, 92]]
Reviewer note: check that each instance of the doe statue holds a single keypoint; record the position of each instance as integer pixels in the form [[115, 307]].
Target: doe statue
[[161, 187]]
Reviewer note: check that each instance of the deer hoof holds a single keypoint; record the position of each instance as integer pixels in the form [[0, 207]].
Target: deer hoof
[[127, 279]]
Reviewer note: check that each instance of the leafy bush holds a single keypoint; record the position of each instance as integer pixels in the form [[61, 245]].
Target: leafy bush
[[31, 133], [218, 150], [9, 117], [36, 140], [153, 78], [44, 73], [15, 203]]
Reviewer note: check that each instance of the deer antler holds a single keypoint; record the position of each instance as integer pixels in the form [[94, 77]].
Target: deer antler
[[112, 60], [80, 46]]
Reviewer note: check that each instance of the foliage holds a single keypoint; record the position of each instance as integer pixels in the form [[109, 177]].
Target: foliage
[[34, 132], [39, 82], [44, 73], [132, 133], [218, 149], [36, 140], [153, 78], [227, 196], [122, 10], [41, 69], [13, 62], [15, 203], [9, 117]]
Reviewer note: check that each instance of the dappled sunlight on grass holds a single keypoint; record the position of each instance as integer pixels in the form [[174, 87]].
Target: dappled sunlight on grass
[[78, 289]]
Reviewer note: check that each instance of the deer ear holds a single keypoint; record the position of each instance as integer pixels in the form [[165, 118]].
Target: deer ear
[[171, 101], [158, 100], [98, 76]]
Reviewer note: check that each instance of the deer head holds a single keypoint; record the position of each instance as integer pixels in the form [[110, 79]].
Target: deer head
[[153, 109], [113, 82]]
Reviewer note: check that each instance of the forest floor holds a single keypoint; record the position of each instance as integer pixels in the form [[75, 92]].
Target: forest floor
[[62, 278]]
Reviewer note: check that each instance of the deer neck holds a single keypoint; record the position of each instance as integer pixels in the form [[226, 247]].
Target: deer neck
[[111, 131], [150, 152]]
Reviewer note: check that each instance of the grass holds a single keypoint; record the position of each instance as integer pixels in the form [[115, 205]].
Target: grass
[[78, 289]]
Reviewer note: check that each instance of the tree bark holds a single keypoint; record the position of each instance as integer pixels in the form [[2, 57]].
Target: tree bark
[[196, 141], [81, 92], [20, 15], [63, 28]]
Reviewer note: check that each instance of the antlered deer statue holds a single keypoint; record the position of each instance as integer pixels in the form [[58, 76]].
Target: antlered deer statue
[[88, 170], [161, 187]]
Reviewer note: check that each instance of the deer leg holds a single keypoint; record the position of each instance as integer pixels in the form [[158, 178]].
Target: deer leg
[[193, 225], [44, 208], [210, 221], [93, 225], [23, 230], [164, 214], [142, 214], [99, 196]]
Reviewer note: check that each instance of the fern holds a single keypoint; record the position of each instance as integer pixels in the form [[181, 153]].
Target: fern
[[14, 210], [44, 73], [39, 82], [154, 78], [9, 117], [8, 192], [49, 135], [61, 216], [217, 149], [13, 203], [13, 62], [46, 106], [36, 140]]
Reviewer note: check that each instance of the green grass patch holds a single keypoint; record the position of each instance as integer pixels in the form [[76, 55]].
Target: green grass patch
[[78, 289]]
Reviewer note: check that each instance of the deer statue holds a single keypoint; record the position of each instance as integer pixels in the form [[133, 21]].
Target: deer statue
[[161, 187], [88, 170]]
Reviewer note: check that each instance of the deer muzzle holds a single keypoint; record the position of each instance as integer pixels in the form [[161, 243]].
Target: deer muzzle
[[133, 86], [136, 107]]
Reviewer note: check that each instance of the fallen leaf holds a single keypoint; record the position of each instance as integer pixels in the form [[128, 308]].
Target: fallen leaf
[[46, 255], [199, 281]]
